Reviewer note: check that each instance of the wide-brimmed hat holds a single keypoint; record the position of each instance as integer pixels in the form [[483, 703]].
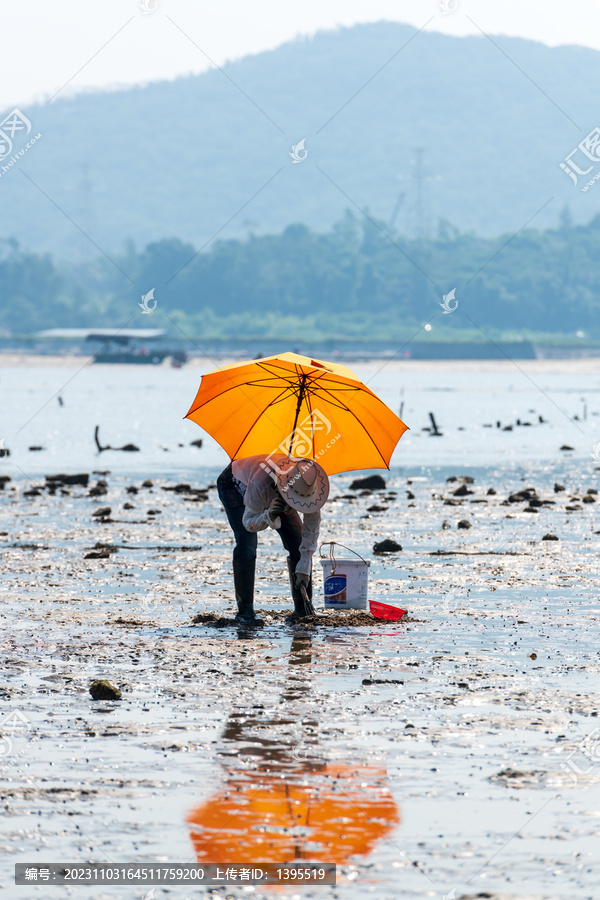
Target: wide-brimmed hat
[[302, 483]]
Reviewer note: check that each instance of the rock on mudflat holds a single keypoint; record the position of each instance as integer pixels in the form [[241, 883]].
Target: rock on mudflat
[[464, 523], [81, 479], [104, 690], [550, 537], [371, 483], [387, 546], [462, 491], [102, 512]]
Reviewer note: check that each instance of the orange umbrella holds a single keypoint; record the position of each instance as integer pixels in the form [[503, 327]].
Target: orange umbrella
[[343, 812], [301, 407]]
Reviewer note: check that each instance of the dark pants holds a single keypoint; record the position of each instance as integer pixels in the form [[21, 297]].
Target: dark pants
[[244, 552]]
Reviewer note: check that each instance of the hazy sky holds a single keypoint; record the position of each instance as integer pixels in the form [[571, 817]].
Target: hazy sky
[[86, 44]]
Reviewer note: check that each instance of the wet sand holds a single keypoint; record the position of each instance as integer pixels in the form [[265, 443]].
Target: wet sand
[[457, 750]]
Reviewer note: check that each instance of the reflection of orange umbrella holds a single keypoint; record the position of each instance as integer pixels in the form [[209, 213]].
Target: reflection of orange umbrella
[[343, 811]]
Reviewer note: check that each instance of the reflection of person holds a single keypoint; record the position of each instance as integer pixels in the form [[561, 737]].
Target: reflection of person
[[278, 805], [261, 492]]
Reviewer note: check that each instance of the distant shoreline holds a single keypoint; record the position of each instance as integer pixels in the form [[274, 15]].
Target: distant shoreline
[[589, 365]]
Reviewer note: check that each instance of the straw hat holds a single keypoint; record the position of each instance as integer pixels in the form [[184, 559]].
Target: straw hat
[[302, 483]]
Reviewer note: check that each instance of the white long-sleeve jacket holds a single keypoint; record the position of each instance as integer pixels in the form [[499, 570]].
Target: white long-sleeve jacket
[[261, 490]]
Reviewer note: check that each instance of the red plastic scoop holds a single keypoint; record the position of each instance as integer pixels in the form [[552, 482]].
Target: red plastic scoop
[[384, 611]]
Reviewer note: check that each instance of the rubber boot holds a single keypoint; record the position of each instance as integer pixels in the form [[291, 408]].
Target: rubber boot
[[299, 605], [243, 579]]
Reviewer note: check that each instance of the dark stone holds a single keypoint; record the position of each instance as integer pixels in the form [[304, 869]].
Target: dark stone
[[410, 496], [566, 447], [463, 479], [196, 443], [68, 479], [128, 506], [387, 546], [104, 690], [383, 508], [531, 509], [550, 537], [491, 492], [128, 448], [32, 449], [102, 511], [522, 496], [4, 479], [97, 554], [464, 524], [462, 491], [371, 483], [558, 488], [147, 483], [97, 491], [588, 499], [32, 493], [132, 490]]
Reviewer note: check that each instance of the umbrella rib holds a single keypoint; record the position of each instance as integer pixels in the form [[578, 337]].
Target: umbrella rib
[[363, 428], [263, 413]]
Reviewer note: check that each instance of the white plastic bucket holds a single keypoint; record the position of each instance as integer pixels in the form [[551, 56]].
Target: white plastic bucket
[[345, 583]]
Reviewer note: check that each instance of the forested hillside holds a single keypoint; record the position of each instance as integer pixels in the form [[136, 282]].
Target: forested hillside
[[356, 279], [493, 119]]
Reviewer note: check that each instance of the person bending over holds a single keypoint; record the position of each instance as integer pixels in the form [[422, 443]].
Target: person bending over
[[261, 492]]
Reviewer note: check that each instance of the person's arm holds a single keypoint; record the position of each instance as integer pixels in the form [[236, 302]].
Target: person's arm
[[258, 513], [310, 539]]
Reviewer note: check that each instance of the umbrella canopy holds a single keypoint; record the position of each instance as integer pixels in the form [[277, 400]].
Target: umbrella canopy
[[300, 407], [345, 811]]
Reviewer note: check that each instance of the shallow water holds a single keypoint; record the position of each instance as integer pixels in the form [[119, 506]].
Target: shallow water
[[471, 763]]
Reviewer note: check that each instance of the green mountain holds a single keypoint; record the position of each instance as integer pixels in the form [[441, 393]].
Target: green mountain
[[210, 154]]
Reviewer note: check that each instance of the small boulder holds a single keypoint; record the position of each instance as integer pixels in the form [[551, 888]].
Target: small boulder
[[550, 537], [491, 492], [371, 483], [464, 523], [102, 512], [81, 479], [558, 488], [446, 525], [463, 479], [566, 447], [147, 483], [462, 491], [196, 443], [387, 546], [104, 690]]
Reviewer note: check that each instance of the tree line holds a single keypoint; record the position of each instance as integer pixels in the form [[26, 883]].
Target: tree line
[[358, 279]]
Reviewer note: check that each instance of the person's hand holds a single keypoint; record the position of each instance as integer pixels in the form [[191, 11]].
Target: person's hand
[[277, 508], [301, 578]]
